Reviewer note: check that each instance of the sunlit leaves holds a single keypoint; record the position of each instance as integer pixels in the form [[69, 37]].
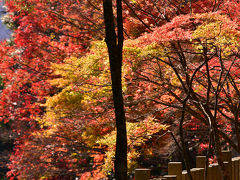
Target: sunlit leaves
[[138, 134], [57, 80]]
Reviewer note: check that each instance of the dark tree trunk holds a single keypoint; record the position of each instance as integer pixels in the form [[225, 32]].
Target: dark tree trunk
[[114, 43]]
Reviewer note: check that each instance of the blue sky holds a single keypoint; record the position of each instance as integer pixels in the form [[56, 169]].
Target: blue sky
[[4, 33]]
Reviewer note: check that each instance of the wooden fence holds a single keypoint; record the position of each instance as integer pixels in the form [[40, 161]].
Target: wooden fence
[[175, 171]]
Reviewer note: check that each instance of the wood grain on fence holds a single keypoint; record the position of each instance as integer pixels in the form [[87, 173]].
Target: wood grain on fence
[[175, 171]]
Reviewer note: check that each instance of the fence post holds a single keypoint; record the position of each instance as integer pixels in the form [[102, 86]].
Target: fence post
[[210, 172], [175, 172], [200, 174], [142, 174], [235, 168], [170, 177], [227, 157], [175, 168], [185, 175], [197, 173], [193, 173], [238, 168], [216, 174], [200, 162], [228, 167]]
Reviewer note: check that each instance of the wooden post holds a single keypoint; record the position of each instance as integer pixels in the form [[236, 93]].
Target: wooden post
[[194, 173], [142, 174], [185, 175], [218, 171], [170, 177], [227, 157], [175, 172], [228, 166], [197, 173], [175, 168], [238, 168], [235, 168], [210, 172], [200, 173], [200, 162], [215, 171]]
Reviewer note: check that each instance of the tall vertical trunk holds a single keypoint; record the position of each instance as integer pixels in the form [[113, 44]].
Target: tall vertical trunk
[[114, 43]]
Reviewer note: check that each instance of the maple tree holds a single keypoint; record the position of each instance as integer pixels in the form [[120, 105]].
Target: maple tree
[[180, 67], [92, 134], [202, 53], [36, 44], [26, 60]]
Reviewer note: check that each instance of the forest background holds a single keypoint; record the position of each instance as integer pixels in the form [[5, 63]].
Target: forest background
[[180, 83]]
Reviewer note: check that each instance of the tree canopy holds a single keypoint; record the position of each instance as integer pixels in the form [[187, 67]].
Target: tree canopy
[[180, 78]]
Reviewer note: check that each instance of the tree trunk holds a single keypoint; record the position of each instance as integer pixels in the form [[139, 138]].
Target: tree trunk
[[115, 44]]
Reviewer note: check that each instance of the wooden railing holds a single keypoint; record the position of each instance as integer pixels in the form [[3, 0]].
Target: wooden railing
[[175, 171]]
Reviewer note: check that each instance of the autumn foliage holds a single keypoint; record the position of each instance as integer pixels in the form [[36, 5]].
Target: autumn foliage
[[180, 77]]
